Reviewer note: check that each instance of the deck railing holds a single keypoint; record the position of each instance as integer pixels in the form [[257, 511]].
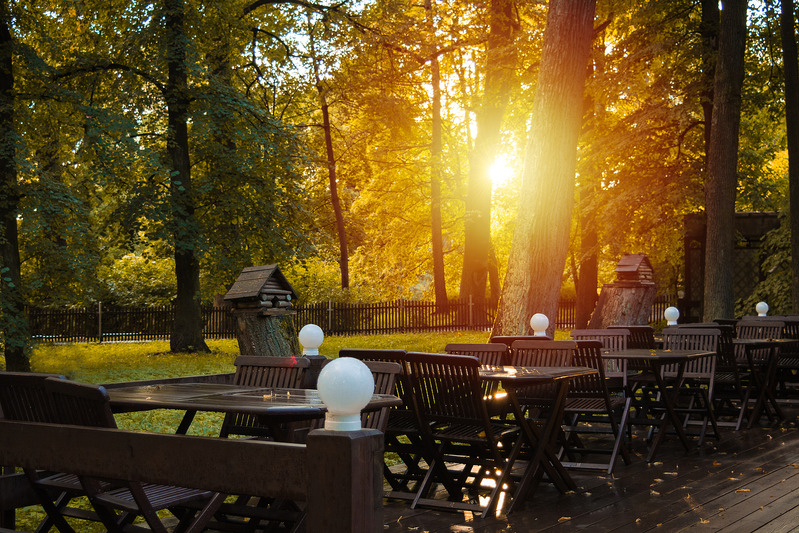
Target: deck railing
[[102, 323]]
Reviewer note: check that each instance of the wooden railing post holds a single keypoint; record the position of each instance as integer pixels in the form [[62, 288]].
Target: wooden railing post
[[345, 481]]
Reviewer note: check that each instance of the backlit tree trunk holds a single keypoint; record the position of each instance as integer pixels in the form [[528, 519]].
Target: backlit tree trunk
[[13, 321], [439, 277], [187, 331], [791, 69], [541, 239], [722, 162], [500, 65]]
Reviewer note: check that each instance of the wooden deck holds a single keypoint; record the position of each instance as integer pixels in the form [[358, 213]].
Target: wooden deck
[[747, 481]]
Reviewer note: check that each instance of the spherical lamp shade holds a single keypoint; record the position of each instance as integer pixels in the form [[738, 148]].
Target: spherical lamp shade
[[761, 308], [345, 386], [539, 322], [671, 314], [311, 337]]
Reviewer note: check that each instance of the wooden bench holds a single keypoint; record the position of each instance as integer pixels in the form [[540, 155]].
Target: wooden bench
[[337, 473]]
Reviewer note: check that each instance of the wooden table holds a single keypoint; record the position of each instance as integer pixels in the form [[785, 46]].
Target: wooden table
[[541, 440], [654, 360], [272, 405]]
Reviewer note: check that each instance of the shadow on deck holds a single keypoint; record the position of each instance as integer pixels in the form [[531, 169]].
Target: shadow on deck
[[747, 481]]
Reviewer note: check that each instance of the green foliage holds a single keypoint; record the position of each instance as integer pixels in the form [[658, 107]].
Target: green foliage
[[775, 287]]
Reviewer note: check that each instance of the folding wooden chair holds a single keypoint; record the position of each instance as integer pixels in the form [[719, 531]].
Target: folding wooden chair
[[402, 434], [613, 339], [698, 376], [457, 430], [263, 372], [537, 400], [89, 405], [591, 410], [23, 398], [490, 354]]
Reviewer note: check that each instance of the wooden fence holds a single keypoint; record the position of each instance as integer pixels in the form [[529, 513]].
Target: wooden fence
[[106, 323]]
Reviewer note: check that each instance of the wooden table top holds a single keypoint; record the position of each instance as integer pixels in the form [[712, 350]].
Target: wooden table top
[[228, 398]]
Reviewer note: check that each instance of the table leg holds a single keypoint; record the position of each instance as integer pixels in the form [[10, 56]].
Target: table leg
[[544, 457], [764, 381], [671, 414]]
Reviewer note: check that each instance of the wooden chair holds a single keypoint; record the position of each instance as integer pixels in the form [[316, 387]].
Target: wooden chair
[[491, 354], [23, 398], [641, 336], [698, 376], [754, 376], [508, 340], [728, 387], [457, 430], [88, 405], [537, 399], [612, 339], [263, 372], [591, 411], [402, 434]]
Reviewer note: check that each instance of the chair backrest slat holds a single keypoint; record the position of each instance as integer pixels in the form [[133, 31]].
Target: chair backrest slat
[[446, 388], [81, 404], [23, 396], [489, 354], [704, 339], [589, 354], [278, 372], [542, 353]]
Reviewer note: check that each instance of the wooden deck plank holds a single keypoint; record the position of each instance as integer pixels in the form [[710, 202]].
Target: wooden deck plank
[[682, 491]]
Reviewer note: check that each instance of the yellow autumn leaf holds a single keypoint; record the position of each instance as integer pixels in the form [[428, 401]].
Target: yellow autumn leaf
[[564, 518], [743, 490]]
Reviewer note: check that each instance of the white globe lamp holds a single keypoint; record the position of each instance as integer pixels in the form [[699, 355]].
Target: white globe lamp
[[345, 386], [539, 322], [671, 314], [761, 308], [311, 337]]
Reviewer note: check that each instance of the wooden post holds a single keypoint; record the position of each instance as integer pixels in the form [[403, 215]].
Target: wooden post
[[345, 481]]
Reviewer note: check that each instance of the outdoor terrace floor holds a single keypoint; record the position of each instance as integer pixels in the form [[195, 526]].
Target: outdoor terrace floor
[[747, 481]]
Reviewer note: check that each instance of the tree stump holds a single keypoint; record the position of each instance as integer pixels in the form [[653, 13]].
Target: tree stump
[[267, 334], [623, 304]]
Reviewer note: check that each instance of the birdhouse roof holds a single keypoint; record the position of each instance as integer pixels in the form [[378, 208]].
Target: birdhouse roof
[[256, 280], [633, 263]]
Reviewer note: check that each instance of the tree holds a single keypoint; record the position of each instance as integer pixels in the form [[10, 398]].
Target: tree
[[722, 160], [790, 65], [13, 322], [500, 64], [541, 239]]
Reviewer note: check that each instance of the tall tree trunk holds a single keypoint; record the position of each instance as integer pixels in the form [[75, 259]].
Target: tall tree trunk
[[13, 321], [586, 282], [709, 31], [791, 69], [541, 238], [500, 74], [722, 163], [344, 258], [439, 277], [187, 330]]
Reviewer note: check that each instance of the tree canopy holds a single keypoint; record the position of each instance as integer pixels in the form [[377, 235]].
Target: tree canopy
[[154, 149]]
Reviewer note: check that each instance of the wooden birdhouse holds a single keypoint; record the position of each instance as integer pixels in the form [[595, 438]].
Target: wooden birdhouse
[[635, 268], [263, 303], [264, 289], [628, 300]]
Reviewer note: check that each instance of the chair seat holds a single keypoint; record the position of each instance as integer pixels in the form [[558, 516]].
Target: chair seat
[[473, 433], [592, 405], [159, 496]]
